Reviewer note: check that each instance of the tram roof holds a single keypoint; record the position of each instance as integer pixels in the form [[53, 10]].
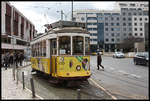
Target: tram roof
[[61, 24]]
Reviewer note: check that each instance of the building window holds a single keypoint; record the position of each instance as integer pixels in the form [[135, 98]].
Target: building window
[[124, 24], [135, 19], [118, 39], [124, 29], [107, 40], [112, 29], [140, 13], [106, 29], [135, 29], [130, 34], [124, 19], [117, 24], [141, 29], [135, 34], [118, 34], [130, 29], [112, 40], [140, 19], [106, 24], [117, 18], [123, 13], [112, 24], [129, 24], [107, 34], [106, 18], [141, 34], [145, 19], [112, 34], [129, 14], [135, 24], [129, 19], [140, 24], [134, 13], [82, 19], [124, 34], [112, 18]]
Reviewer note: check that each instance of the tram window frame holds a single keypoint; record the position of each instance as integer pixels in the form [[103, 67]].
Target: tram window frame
[[44, 48], [76, 46], [87, 45], [64, 45], [54, 46]]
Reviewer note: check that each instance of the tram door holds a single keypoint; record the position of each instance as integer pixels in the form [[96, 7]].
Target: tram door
[[53, 52]]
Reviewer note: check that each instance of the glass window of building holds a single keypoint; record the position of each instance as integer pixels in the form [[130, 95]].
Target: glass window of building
[[118, 40], [112, 39], [129, 19], [112, 34], [141, 29], [135, 34], [117, 18], [107, 40], [107, 14], [112, 29], [134, 13], [124, 29], [129, 14], [100, 18], [112, 18], [82, 18], [94, 39], [132, 5], [124, 19], [140, 13], [135, 24], [77, 45], [106, 18], [145, 19], [107, 34], [140, 19], [130, 29], [123, 13], [141, 34], [140, 24], [106, 29], [124, 34], [124, 24], [118, 34], [118, 24], [130, 34], [106, 24], [112, 24], [135, 29], [135, 19], [145, 13], [129, 24]]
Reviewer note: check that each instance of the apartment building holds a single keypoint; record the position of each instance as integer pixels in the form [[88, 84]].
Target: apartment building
[[104, 27], [16, 30]]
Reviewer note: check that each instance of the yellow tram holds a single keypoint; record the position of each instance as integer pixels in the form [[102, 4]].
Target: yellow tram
[[63, 51]]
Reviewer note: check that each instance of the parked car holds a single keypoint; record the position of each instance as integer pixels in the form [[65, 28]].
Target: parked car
[[141, 58], [118, 55]]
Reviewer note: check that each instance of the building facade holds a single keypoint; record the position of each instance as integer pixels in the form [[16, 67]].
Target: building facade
[[104, 28], [108, 29], [16, 30]]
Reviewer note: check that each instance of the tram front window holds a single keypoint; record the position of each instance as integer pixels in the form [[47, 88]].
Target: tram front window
[[64, 45], [78, 45]]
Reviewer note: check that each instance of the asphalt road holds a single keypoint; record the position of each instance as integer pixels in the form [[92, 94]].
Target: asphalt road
[[122, 78]]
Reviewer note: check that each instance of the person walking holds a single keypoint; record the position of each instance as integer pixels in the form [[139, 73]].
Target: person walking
[[11, 59], [99, 61], [21, 58], [16, 59], [6, 61]]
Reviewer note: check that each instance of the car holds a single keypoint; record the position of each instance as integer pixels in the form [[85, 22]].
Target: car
[[141, 58], [118, 55]]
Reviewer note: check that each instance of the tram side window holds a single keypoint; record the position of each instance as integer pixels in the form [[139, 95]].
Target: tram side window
[[64, 45], [78, 45], [54, 46], [87, 45], [44, 48]]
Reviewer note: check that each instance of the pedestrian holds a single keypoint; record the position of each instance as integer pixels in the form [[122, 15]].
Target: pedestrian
[[21, 58], [99, 61], [6, 61], [2, 60], [11, 59], [16, 59]]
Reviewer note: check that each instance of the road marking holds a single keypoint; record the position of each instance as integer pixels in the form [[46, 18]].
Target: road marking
[[113, 97]]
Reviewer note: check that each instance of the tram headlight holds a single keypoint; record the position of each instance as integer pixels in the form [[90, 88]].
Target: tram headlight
[[78, 67]]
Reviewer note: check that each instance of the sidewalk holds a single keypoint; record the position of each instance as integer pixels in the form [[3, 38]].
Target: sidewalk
[[10, 90]]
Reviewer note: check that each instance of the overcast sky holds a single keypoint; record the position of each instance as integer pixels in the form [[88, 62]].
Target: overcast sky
[[40, 13]]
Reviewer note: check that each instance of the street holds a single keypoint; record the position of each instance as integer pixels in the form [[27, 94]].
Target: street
[[121, 77]]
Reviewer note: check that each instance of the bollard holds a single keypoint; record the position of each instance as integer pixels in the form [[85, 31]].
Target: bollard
[[78, 94], [17, 76], [32, 87], [23, 80]]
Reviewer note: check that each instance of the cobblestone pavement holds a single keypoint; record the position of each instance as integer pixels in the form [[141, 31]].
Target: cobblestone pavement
[[10, 88]]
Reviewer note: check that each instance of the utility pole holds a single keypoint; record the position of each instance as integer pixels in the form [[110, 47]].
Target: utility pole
[[72, 11]]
